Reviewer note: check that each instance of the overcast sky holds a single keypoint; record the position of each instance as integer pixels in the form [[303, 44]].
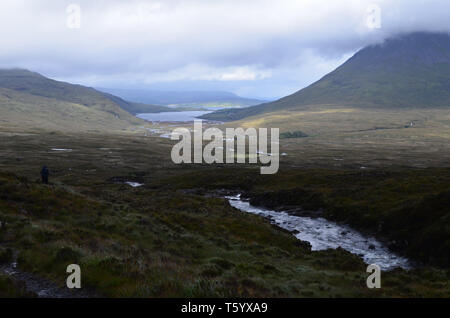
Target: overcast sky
[[256, 48]]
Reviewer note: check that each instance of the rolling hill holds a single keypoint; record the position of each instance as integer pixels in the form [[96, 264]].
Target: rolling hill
[[30, 100], [26, 112], [408, 71]]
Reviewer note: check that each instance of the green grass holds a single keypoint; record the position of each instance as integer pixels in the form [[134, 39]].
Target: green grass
[[295, 134], [167, 239], [409, 208], [152, 243], [166, 248]]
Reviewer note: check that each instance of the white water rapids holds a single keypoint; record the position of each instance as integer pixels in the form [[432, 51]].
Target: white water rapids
[[323, 234]]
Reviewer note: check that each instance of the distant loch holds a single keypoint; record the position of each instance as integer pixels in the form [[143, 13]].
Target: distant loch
[[183, 116]]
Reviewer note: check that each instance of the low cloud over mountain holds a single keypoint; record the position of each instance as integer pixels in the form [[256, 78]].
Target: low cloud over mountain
[[268, 50]]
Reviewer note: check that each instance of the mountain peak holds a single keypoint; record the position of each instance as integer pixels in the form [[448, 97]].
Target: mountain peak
[[419, 47], [407, 71], [18, 72]]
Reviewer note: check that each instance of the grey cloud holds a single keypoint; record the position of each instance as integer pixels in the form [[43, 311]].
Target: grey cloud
[[179, 42]]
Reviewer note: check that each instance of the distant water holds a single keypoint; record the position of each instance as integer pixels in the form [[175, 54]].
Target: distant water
[[184, 116], [323, 234], [134, 184]]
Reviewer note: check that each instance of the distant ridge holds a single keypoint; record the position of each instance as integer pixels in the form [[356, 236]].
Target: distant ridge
[[408, 71], [182, 98]]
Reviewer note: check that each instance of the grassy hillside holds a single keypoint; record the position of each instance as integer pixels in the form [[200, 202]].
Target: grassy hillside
[[35, 84], [24, 112], [409, 71], [30, 100], [136, 108]]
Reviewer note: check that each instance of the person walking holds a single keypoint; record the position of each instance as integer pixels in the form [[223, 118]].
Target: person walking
[[44, 174]]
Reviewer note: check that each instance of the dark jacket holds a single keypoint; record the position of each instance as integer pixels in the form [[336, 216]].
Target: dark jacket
[[45, 172]]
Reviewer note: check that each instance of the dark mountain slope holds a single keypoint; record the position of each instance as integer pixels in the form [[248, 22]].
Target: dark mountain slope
[[409, 71]]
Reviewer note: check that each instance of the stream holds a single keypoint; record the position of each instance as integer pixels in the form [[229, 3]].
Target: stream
[[323, 234]]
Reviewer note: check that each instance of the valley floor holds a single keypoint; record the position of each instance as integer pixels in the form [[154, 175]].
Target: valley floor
[[172, 238]]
